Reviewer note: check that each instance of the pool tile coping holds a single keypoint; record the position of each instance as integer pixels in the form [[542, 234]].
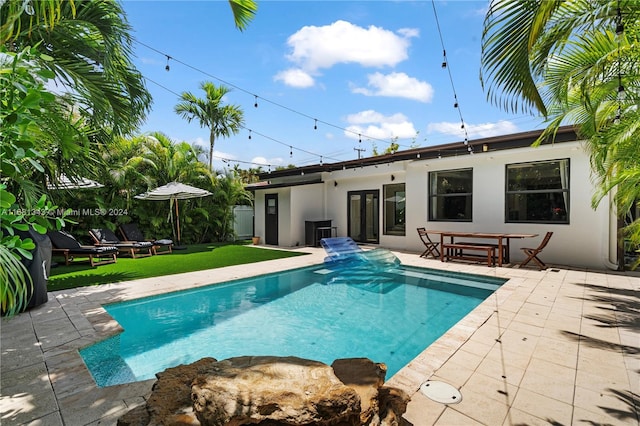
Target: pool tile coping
[[43, 379]]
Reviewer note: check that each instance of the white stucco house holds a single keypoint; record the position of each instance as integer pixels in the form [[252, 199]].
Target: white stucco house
[[505, 185]]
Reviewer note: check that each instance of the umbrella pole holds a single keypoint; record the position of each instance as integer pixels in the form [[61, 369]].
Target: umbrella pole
[[178, 221]]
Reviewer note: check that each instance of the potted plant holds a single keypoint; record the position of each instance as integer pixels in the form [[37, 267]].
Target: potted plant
[[256, 240]]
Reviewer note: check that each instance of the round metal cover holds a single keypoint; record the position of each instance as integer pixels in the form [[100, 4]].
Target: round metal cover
[[441, 392]]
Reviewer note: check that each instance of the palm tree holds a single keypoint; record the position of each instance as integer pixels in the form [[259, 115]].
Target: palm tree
[[574, 63], [91, 51], [222, 120]]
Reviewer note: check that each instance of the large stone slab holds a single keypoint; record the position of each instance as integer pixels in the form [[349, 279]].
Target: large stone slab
[[269, 391], [289, 390]]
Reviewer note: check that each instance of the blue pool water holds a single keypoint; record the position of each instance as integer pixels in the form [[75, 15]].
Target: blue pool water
[[323, 313]]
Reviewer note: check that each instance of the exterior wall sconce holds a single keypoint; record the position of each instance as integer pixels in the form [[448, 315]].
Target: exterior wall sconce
[[485, 147], [393, 178], [335, 183]]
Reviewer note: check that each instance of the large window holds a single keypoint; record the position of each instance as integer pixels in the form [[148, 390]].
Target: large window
[[538, 192], [450, 194], [394, 209]]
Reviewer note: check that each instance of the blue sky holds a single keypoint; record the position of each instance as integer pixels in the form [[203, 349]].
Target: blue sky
[[362, 72]]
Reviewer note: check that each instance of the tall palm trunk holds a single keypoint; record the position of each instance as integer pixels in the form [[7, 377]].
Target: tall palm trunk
[[212, 141]]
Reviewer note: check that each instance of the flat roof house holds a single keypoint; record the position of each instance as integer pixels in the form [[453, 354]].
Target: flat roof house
[[505, 185]]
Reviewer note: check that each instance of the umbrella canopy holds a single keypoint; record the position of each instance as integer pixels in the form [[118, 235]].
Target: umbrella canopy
[[77, 183], [174, 191]]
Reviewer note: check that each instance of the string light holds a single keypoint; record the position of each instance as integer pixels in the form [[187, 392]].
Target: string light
[[290, 151], [249, 133], [227, 83], [167, 68], [445, 64], [621, 92], [315, 125]]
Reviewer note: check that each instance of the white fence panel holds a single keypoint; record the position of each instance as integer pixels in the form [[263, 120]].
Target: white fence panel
[[243, 222]]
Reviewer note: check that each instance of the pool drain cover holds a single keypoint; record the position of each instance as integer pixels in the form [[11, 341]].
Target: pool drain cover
[[441, 392]]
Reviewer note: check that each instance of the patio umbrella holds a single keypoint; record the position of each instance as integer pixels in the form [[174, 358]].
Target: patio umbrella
[[77, 183], [173, 192]]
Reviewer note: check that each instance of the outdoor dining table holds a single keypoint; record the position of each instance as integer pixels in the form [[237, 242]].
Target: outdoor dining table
[[502, 240]]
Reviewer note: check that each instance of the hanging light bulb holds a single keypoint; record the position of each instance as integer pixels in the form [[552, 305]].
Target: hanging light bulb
[[315, 125], [290, 151], [28, 8], [462, 125], [249, 133], [255, 104], [466, 141], [167, 68], [359, 138], [621, 91], [619, 23]]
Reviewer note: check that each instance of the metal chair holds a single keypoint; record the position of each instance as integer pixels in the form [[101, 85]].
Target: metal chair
[[431, 248], [532, 253]]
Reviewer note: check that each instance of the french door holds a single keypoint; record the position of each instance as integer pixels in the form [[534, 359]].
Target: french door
[[364, 216]]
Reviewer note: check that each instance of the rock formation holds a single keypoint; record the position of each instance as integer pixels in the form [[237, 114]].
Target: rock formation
[[267, 390]]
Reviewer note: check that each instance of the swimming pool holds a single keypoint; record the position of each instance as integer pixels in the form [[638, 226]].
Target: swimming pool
[[322, 312]]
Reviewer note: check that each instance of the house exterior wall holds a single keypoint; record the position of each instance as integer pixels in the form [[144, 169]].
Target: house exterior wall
[[307, 203], [585, 241]]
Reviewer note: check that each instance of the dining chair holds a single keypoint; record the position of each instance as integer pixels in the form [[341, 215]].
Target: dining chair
[[431, 248], [532, 253]]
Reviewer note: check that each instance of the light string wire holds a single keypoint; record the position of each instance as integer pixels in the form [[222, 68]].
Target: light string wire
[[253, 132], [256, 97], [445, 64]]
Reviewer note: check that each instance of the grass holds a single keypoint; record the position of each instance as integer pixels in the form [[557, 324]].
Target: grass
[[196, 257]]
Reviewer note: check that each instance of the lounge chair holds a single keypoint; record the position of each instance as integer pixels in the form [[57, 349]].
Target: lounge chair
[[130, 231], [66, 245], [532, 253], [103, 236]]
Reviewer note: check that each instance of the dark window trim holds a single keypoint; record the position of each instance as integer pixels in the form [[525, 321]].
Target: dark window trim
[[538, 191], [430, 217]]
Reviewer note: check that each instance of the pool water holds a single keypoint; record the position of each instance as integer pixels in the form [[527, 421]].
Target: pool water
[[325, 312]]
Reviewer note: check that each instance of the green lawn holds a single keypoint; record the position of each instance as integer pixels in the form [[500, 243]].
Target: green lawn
[[196, 257]]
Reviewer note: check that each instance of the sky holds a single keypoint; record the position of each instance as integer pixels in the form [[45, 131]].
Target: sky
[[332, 80]]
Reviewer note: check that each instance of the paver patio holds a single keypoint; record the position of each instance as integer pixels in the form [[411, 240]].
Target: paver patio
[[558, 346]]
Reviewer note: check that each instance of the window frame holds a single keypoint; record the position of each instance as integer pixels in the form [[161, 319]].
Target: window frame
[[393, 204], [467, 195], [566, 191]]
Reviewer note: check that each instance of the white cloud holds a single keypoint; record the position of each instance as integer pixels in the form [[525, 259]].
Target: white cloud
[[396, 84], [295, 77], [483, 130], [314, 48], [379, 126]]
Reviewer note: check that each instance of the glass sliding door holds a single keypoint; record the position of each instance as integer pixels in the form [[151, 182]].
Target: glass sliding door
[[364, 216]]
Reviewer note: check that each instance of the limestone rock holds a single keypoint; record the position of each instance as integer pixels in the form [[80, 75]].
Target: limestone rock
[[276, 390], [380, 405], [170, 400], [271, 391]]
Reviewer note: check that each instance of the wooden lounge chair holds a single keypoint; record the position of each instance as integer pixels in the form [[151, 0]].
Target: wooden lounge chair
[[532, 253], [103, 236], [431, 247], [66, 245], [130, 231]]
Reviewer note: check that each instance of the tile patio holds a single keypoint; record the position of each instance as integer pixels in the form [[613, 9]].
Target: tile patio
[[557, 347]]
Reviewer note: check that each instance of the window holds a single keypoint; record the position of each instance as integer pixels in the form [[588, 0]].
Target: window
[[538, 192], [394, 209], [450, 194]]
